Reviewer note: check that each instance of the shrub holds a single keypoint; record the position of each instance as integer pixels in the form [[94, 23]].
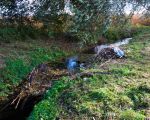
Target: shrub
[[117, 33]]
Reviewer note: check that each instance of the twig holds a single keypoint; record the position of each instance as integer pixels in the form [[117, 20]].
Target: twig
[[19, 96], [15, 99], [18, 102]]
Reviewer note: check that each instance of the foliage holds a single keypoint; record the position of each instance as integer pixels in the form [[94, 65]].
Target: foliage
[[145, 19], [85, 20], [88, 19], [16, 21], [14, 11], [7, 34], [91, 19], [120, 32], [4, 89]]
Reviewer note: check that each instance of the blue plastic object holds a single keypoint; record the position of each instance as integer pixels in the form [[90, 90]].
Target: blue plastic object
[[118, 52], [72, 64]]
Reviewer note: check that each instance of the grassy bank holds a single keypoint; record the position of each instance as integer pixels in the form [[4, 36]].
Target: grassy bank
[[124, 94], [18, 64], [18, 58]]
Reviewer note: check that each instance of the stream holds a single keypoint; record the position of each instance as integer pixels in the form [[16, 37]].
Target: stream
[[122, 42]]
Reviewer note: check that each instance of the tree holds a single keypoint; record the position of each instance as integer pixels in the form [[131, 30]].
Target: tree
[[87, 19], [14, 10]]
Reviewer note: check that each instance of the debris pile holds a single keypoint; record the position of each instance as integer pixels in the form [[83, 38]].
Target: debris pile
[[108, 52], [38, 81]]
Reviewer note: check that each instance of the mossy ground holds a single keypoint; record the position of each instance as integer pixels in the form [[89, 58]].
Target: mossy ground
[[124, 94]]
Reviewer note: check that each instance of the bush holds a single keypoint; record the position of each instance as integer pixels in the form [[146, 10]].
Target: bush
[[117, 33]]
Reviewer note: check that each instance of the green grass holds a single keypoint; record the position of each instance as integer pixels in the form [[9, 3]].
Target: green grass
[[131, 115], [123, 95], [17, 68]]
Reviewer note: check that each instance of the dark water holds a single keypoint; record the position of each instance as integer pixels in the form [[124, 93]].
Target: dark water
[[16, 114], [22, 112]]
